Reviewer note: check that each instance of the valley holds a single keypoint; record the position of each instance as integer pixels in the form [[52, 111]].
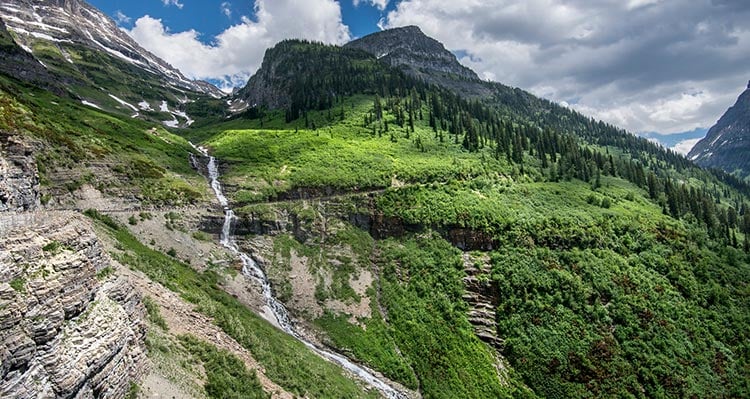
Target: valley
[[359, 221]]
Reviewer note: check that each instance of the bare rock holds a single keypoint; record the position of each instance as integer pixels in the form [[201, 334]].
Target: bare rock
[[19, 178], [64, 333]]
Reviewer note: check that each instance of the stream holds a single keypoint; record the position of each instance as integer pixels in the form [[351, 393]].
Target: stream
[[274, 311]]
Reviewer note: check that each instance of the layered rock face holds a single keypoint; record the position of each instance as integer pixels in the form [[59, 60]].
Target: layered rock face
[[19, 179], [64, 333], [66, 330], [481, 296]]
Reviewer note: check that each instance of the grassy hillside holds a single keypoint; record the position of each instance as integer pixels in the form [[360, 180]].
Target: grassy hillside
[[285, 360], [78, 145], [620, 269], [110, 83]]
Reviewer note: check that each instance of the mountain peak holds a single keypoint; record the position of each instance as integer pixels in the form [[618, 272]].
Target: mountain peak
[[75, 22], [409, 29], [409, 47], [726, 144]]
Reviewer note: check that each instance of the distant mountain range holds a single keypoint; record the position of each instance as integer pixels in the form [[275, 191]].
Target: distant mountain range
[[679, 142]]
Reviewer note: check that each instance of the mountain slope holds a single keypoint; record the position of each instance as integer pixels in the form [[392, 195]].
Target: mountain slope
[[462, 245], [727, 144], [409, 47], [16, 62], [421, 56], [98, 62], [404, 221]]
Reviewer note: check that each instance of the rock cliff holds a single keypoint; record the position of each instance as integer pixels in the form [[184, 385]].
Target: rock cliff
[[68, 328], [65, 330], [422, 56], [19, 178], [409, 47]]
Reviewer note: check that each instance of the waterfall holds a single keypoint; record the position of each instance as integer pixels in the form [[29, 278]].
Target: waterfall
[[274, 307]]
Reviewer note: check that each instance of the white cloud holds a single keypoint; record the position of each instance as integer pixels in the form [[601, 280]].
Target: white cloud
[[379, 4], [121, 18], [684, 146], [175, 3], [645, 65], [226, 9], [237, 52]]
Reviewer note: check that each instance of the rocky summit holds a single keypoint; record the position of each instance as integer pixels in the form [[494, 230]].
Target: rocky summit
[[409, 47], [727, 144]]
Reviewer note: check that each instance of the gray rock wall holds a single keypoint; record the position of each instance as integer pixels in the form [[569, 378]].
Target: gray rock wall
[[19, 178], [63, 332]]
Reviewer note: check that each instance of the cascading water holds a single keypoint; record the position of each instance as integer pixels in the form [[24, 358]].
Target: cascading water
[[274, 308]]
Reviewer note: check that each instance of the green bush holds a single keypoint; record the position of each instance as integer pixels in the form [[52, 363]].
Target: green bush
[[154, 315], [227, 377]]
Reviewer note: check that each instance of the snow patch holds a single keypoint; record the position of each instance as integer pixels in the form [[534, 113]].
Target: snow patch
[[714, 141], [124, 103], [173, 123], [164, 107], [10, 8], [185, 116], [90, 104], [25, 48], [145, 106]]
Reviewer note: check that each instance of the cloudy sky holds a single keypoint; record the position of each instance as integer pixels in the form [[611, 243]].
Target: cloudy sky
[[666, 66]]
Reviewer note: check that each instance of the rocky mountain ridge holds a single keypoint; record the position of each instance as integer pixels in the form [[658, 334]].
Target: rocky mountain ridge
[[75, 21], [408, 47], [727, 144], [74, 50]]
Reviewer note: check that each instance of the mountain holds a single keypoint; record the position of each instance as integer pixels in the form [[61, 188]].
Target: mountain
[[409, 47], [727, 144], [291, 65], [98, 62], [419, 55], [540, 235]]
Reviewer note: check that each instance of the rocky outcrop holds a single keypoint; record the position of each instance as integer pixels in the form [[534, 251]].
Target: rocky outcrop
[[19, 178], [424, 57], [482, 297], [63, 332], [409, 47]]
